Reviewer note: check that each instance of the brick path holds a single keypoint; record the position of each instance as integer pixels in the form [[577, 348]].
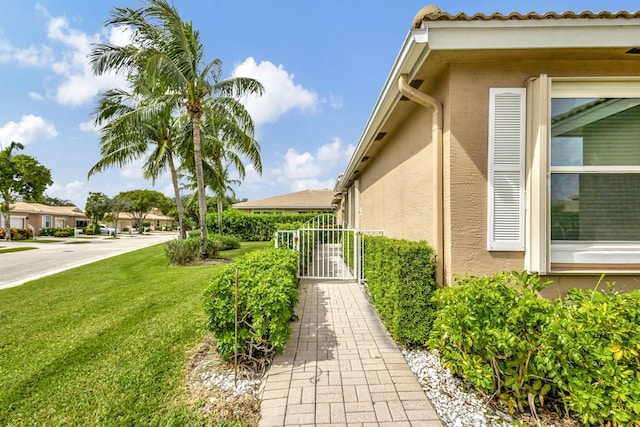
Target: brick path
[[341, 367]]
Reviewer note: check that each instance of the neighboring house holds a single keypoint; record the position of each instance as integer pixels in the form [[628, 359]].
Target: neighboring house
[[155, 217], [40, 216], [306, 201], [509, 142]]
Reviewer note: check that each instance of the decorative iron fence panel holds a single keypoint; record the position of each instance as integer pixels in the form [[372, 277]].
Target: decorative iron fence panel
[[326, 249]]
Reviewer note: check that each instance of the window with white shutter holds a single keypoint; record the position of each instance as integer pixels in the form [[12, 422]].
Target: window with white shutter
[[506, 169]]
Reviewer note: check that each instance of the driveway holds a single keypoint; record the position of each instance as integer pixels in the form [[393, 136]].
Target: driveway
[[17, 268]]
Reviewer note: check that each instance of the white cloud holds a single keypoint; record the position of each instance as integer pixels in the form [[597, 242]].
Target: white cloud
[[32, 55], [75, 191], [281, 94], [79, 84], [36, 96], [313, 184], [30, 128], [313, 171], [132, 170], [88, 126], [335, 101]]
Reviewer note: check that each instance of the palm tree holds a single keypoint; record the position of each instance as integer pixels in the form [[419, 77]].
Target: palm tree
[[136, 127], [225, 144], [167, 49]]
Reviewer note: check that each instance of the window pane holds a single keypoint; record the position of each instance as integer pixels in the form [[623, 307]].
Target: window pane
[[595, 132], [595, 207]]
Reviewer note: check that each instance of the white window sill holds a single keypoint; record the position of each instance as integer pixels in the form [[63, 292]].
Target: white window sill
[[595, 253]]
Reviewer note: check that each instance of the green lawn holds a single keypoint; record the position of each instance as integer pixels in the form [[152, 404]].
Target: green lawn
[[9, 250], [104, 344]]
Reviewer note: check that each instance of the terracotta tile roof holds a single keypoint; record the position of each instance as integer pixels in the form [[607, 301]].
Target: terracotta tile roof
[[39, 208], [432, 13], [307, 199]]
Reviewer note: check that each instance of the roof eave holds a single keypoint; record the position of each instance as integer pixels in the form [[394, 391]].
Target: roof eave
[[532, 34], [489, 34], [413, 53]]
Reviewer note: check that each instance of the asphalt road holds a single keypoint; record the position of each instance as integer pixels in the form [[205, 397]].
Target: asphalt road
[[17, 268]]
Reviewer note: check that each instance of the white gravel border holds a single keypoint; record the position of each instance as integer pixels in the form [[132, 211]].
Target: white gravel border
[[455, 406]]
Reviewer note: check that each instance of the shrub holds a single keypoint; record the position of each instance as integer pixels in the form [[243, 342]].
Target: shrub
[[250, 227], [267, 295], [592, 355], [17, 233], [400, 280], [57, 232], [226, 242], [183, 251], [490, 330]]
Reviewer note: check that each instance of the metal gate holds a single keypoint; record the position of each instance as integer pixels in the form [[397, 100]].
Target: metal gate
[[326, 249]]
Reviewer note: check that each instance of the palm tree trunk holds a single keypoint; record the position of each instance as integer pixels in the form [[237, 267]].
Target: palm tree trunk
[[219, 214], [176, 190], [202, 198]]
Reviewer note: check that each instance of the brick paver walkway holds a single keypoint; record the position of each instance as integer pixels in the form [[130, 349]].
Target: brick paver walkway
[[341, 367]]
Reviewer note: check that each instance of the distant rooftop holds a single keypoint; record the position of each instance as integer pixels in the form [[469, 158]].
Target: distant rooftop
[[306, 200], [39, 208]]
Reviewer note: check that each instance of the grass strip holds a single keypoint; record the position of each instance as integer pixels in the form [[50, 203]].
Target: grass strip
[[103, 344], [9, 250]]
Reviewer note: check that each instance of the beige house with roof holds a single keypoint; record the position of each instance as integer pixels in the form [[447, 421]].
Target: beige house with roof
[[509, 142], [306, 201], [38, 216], [157, 220]]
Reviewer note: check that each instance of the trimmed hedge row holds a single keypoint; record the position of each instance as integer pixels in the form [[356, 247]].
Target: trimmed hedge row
[[267, 295], [400, 279], [580, 353], [58, 232], [251, 227]]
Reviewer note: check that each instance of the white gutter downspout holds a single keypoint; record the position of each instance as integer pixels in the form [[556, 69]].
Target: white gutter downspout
[[438, 226]]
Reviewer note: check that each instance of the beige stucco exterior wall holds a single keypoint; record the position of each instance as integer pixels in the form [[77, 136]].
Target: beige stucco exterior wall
[[396, 186], [466, 157]]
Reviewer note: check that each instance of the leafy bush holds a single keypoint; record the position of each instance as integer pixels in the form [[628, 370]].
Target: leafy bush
[[184, 251], [490, 330], [62, 232], [267, 295], [226, 242], [293, 225], [17, 233], [252, 228], [592, 355], [400, 280]]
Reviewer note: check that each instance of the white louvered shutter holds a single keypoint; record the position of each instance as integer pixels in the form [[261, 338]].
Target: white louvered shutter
[[506, 169]]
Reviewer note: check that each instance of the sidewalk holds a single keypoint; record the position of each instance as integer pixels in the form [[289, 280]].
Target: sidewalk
[[341, 367]]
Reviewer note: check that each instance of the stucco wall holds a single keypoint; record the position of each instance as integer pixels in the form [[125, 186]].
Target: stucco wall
[[396, 186], [466, 140]]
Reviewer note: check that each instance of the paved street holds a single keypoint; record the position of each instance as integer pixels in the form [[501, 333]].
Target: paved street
[[48, 258]]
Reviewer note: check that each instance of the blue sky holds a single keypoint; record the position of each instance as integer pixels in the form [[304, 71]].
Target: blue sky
[[323, 65]]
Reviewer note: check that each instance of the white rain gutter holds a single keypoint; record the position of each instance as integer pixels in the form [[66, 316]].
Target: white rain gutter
[[436, 131]]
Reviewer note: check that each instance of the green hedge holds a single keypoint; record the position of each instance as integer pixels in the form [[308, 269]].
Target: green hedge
[[57, 232], [184, 251], [592, 355], [487, 330], [580, 353], [267, 295], [251, 227], [400, 280]]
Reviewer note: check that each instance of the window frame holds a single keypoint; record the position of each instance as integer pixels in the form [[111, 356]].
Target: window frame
[[542, 254]]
